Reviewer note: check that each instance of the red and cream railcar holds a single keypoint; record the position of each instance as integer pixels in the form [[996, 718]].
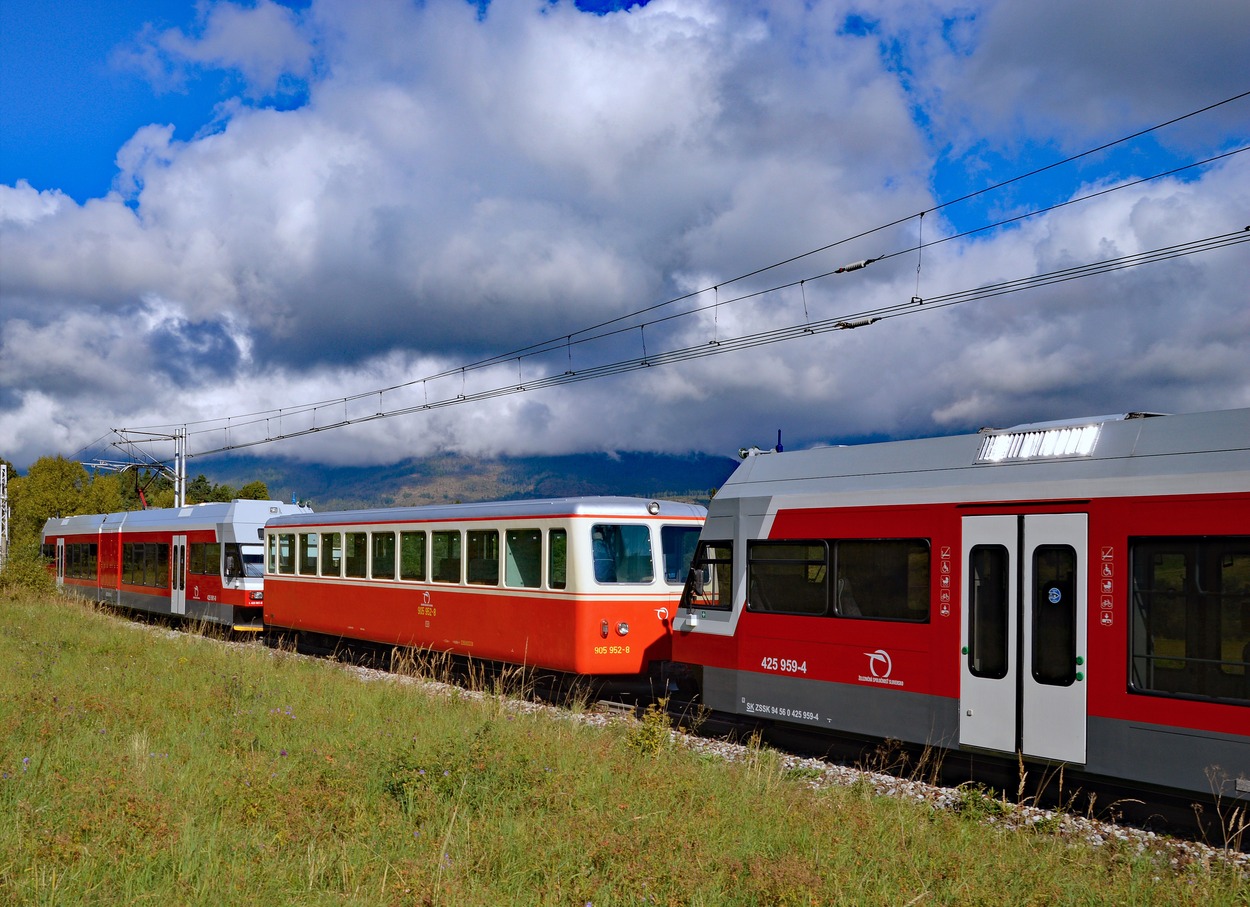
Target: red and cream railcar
[[580, 585], [1074, 593], [204, 561]]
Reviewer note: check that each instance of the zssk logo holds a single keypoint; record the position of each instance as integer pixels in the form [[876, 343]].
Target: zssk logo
[[879, 663]]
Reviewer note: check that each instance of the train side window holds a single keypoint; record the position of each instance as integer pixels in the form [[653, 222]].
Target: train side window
[[308, 553], [445, 555], [212, 558], [286, 553], [788, 577], [482, 546], [709, 585], [557, 558], [206, 559], [382, 555], [355, 554], [679, 544], [412, 555], [1054, 615], [523, 558], [331, 554], [271, 556], [622, 553], [1189, 627], [989, 598], [161, 577], [882, 579]]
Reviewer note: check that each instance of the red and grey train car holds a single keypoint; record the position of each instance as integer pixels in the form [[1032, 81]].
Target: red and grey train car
[[1069, 593], [202, 562], [579, 585]]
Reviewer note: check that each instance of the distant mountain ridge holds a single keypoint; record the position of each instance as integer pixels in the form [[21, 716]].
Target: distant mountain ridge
[[453, 478]]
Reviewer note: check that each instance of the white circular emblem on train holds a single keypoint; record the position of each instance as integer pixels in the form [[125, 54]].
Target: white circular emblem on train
[[877, 660], [1054, 595]]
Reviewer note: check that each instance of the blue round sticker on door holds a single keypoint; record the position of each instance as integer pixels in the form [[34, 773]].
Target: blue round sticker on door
[[1054, 595]]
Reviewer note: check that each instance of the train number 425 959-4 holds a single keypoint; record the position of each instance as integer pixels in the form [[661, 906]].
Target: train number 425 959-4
[[785, 665]]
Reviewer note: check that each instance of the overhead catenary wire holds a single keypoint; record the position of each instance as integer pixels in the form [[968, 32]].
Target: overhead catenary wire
[[608, 331], [725, 346], [629, 321]]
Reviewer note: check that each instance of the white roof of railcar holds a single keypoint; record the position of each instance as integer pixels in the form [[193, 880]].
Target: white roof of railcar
[[1135, 454], [548, 508], [174, 519]]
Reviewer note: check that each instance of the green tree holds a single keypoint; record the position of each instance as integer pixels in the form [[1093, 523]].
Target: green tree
[[254, 491], [199, 490], [53, 486], [107, 494]]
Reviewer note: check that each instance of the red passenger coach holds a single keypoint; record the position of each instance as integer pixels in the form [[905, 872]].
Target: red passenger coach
[[1074, 593], [204, 561], [579, 585]]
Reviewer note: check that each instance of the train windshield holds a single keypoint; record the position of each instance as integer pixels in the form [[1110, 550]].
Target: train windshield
[[709, 584], [622, 553], [244, 560], [679, 543]]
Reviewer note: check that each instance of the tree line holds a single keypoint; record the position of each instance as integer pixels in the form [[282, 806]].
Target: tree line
[[57, 487]]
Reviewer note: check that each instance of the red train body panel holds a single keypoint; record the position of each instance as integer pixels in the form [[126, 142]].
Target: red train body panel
[[583, 585], [1074, 594], [202, 561]]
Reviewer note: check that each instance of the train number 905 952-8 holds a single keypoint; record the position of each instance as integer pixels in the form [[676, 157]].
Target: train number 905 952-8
[[784, 665]]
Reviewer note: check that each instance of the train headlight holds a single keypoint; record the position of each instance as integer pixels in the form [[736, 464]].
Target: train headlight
[[257, 596], [622, 629], [603, 629]]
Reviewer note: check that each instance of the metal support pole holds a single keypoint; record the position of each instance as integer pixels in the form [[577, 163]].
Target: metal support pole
[[180, 468], [4, 514]]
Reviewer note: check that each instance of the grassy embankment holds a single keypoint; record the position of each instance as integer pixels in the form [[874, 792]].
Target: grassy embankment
[[143, 767]]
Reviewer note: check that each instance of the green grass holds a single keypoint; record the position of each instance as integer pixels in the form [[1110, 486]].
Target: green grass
[[146, 767]]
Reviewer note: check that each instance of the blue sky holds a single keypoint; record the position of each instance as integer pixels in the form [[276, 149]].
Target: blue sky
[[219, 208], [68, 105]]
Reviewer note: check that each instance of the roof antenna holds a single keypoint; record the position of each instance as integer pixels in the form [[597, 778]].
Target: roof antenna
[[779, 447]]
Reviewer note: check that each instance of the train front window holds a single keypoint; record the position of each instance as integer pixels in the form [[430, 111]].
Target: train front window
[[1189, 632], [622, 553], [709, 585], [243, 560], [679, 543], [788, 577]]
